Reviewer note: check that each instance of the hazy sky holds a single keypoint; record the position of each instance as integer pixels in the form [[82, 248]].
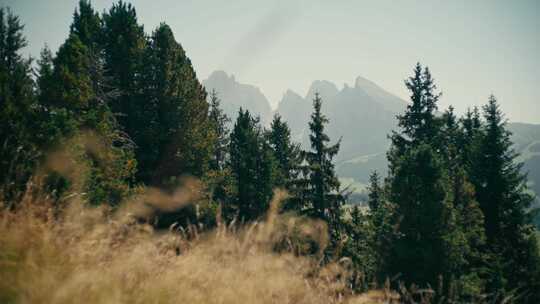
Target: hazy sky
[[474, 48]]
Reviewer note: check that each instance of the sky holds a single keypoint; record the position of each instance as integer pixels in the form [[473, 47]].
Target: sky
[[473, 48]]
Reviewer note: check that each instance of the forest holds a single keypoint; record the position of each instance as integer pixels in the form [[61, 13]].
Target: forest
[[123, 181]]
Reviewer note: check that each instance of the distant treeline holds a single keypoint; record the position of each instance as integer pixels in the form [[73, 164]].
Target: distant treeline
[[453, 213]]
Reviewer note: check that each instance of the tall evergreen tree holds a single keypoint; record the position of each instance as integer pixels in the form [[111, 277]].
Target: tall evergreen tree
[[252, 166], [288, 159], [380, 219], [501, 192], [87, 25], [219, 123], [79, 89], [469, 138], [17, 110], [123, 40], [321, 192], [417, 190], [286, 152], [419, 122], [465, 277], [427, 236], [174, 130]]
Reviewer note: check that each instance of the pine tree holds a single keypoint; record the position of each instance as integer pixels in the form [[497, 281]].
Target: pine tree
[[501, 192], [253, 168], [469, 138], [219, 178], [173, 129], [417, 190], [465, 277], [87, 25], [288, 160], [375, 191], [380, 219], [219, 122], [419, 122], [123, 41], [78, 90], [426, 223], [17, 114], [286, 152], [321, 188], [359, 248]]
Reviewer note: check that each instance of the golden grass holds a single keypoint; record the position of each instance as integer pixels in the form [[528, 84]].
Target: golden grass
[[91, 255]]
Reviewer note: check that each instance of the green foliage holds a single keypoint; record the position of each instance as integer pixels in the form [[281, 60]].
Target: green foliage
[[219, 124], [417, 190], [87, 25], [501, 193], [18, 151], [288, 158], [253, 167], [170, 120], [320, 191]]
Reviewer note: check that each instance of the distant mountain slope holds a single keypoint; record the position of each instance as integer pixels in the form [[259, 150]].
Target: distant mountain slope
[[362, 115], [389, 101], [296, 111], [235, 95]]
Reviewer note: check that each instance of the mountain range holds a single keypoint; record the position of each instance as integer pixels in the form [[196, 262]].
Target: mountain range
[[361, 116]]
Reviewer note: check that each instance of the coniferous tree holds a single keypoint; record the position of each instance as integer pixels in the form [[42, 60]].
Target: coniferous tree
[[87, 25], [123, 41], [417, 190], [219, 122], [79, 91], [321, 191], [426, 222], [359, 248], [501, 193], [17, 110], [469, 138], [174, 133], [465, 277], [380, 219], [288, 159], [253, 168], [219, 180], [419, 123], [286, 152]]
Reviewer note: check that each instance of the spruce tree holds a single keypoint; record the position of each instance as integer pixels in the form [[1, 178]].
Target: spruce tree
[[218, 178], [288, 159], [87, 25], [322, 195], [417, 190], [173, 129], [380, 219], [79, 89], [465, 276], [426, 222], [419, 122], [359, 248], [502, 193], [253, 168], [219, 123], [17, 110], [123, 41]]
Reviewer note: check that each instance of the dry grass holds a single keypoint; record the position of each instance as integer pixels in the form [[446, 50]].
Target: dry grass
[[91, 255]]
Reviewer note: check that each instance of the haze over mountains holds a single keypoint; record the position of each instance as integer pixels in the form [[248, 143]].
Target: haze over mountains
[[361, 115]]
